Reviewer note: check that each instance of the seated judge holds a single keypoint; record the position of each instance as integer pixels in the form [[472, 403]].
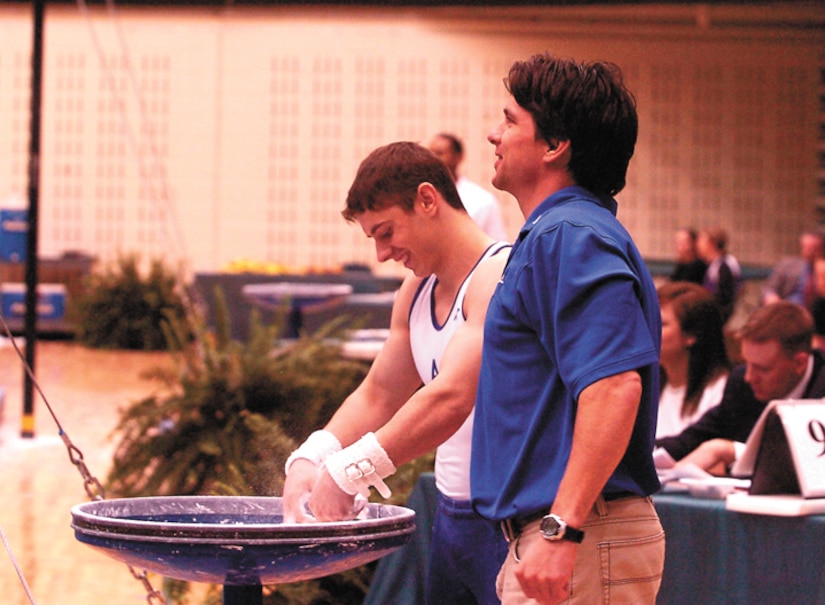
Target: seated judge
[[694, 358], [779, 363]]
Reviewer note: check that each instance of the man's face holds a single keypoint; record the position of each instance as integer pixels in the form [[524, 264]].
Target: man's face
[[810, 247], [518, 154], [443, 149], [769, 371], [398, 236], [705, 248], [685, 249]]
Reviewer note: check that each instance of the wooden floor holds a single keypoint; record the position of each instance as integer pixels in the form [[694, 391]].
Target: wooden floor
[[39, 484]]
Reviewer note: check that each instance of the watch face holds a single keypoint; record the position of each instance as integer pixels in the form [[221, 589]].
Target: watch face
[[550, 527]]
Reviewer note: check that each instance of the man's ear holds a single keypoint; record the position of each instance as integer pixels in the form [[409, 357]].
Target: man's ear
[[427, 196], [556, 149], [800, 360]]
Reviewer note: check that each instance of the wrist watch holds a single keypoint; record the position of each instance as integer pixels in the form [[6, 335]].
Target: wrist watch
[[554, 527]]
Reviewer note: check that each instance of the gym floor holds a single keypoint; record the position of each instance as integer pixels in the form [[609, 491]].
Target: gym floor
[[87, 389]]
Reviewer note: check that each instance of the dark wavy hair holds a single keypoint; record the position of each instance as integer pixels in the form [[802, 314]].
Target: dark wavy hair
[[699, 316], [391, 174], [586, 104]]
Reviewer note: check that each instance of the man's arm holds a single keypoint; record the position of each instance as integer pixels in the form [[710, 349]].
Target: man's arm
[[713, 456], [606, 414], [437, 410], [392, 378], [706, 428], [716, 422]]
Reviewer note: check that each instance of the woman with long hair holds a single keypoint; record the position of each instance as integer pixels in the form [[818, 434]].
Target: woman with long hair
[[694, 359]]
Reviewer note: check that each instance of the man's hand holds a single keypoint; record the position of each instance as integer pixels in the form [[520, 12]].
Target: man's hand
[[328, 502], [297, 488], [713, 456], [545, 570]]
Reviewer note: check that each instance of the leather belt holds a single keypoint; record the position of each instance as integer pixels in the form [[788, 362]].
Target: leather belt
[[512, 527]]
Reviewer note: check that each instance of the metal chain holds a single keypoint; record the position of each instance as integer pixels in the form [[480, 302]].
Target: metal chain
[[94, 489], [152, 594], [91, 484]]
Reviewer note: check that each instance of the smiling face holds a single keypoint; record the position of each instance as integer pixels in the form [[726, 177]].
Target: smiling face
[[399, 235], [518, 152]]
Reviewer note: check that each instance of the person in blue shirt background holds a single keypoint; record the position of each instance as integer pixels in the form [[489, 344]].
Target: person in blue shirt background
[[567, 399]]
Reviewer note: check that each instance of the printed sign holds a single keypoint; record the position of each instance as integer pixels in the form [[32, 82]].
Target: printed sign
[[785, 453]]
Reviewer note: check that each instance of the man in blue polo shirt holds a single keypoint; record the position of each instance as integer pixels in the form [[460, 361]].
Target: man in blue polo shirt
[[567, 401]]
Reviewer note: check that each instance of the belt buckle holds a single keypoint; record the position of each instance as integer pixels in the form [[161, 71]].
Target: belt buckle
[[510, 532]]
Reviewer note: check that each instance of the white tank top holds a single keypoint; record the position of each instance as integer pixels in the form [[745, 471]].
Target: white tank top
[[428, 340]]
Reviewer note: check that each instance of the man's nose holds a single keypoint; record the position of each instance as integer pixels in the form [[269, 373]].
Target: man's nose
[[383, 252]]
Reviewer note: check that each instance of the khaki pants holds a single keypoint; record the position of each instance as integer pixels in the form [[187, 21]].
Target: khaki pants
[[621, 559]]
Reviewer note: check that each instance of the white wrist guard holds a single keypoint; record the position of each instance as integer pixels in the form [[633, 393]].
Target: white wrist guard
[[362, 464], [317, 447]]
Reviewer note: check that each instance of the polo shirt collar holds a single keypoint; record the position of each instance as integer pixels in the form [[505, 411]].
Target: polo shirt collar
[[563, 196]]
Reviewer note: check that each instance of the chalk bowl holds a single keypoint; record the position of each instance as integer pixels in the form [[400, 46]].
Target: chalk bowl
[[235, 541]]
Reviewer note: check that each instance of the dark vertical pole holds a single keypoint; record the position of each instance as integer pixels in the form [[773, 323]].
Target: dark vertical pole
[[27, 429], [243, 595]]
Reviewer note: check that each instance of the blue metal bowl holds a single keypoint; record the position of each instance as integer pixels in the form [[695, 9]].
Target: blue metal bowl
[[235, 541]]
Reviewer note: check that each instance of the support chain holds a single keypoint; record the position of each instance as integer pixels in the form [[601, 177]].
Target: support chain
[[94, 489], [152, 594], [91, 484]]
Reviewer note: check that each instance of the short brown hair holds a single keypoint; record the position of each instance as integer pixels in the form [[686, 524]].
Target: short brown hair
[[391, 174], [783, 321]]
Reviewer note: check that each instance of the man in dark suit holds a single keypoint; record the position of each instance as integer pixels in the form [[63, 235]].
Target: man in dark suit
[[779, 364]]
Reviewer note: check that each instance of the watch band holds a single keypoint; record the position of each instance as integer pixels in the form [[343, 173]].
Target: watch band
[[554, 527]]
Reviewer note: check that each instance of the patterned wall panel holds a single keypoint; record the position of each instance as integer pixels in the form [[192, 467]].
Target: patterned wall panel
[[215, 136]]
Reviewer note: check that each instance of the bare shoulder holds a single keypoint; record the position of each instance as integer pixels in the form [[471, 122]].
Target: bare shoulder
[[484, 280], [404, 297]]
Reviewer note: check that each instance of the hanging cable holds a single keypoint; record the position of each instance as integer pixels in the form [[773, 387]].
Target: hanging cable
[[16, 566], [94, 489], [158, 193]]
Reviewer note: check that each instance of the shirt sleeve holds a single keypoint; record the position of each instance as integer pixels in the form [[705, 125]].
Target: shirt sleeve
[[587, 296]]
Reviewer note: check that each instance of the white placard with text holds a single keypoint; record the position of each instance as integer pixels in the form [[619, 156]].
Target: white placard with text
[[804, 424]]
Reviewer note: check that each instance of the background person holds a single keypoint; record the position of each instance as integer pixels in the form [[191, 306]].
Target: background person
[[569, 384], [404, 198], [694, 358], [723, 277], [688, 267], [792, 278], [482, 205], [818, 303], [779, 364]]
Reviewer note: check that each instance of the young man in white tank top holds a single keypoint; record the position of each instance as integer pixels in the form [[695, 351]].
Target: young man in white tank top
[[404, 198]]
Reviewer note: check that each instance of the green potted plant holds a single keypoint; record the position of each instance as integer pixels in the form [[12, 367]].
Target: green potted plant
[[226, 418], [124, 307]]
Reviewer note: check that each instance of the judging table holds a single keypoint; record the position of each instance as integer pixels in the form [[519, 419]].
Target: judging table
[[365, 299], [713, 556]]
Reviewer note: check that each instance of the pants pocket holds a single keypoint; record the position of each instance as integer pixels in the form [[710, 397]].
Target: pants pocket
[[631, 570]]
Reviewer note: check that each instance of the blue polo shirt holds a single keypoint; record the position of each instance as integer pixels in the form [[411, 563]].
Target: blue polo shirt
[[575, 304]]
